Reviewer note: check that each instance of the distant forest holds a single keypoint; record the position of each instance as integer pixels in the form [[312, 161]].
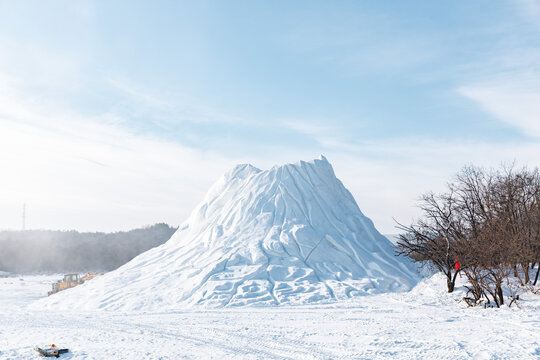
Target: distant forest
[[47, 251]]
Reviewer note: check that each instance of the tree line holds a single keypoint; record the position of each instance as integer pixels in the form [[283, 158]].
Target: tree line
[[486, 225], [48, 251]]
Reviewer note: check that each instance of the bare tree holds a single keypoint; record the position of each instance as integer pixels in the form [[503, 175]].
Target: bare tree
[[435, 238], [489, 221]]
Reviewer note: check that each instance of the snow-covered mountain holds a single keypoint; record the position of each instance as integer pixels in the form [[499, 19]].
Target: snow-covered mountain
[[289, 235]]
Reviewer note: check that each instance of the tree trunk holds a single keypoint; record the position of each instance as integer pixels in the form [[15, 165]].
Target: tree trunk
[[449, 282], [454, 279], [493, 294], [536, 277], [500, 293], [525, 267]]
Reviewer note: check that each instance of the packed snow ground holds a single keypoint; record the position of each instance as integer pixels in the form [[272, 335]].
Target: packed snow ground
[[425, 323]]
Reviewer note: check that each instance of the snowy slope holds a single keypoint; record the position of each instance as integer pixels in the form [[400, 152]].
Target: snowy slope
[[289, 235]]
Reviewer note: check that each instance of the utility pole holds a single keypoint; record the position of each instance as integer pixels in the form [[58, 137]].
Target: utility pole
[[24, 217]]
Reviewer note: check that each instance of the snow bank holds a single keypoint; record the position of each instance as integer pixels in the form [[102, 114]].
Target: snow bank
[[289, 235]]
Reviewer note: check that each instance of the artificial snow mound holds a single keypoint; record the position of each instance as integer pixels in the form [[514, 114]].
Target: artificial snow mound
[[289, 235]]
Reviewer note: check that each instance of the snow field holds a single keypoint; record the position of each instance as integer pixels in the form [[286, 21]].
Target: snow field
[[426, 323]]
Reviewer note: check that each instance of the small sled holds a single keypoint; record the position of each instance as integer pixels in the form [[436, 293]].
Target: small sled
[[52, 351]]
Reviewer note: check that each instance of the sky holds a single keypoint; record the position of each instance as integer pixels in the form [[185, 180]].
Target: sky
[[119, 114]]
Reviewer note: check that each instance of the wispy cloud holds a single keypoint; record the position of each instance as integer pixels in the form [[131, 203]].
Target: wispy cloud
[[316, 131], [76, 172], [514, 105], [506, 82], [167, 108]]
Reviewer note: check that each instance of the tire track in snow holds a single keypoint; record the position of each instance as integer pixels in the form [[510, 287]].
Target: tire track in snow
[[232, 342]]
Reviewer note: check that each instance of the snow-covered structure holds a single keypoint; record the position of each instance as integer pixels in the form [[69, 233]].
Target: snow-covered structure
[[289, 235]]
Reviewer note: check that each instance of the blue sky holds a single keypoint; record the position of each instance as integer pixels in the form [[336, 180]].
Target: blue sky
[[119, 114]]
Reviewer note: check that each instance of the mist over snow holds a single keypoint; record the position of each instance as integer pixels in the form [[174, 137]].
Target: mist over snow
[[292, 234]]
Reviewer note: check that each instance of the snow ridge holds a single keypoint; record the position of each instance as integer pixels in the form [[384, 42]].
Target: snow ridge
[[289, 235]]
